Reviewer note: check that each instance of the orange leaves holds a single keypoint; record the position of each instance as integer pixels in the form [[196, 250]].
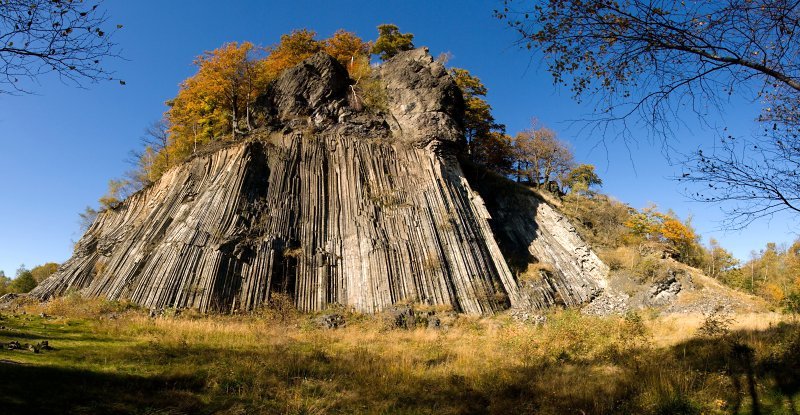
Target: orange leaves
[[217, 101], [676, 232], [292, 49], [346, 47]]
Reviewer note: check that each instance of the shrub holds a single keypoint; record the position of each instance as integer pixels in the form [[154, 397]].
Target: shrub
[[536, 272], [716, 324]]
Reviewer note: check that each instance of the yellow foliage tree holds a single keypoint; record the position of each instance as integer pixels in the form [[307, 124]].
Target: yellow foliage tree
[[292, 49], [347, 48], [217, 99]]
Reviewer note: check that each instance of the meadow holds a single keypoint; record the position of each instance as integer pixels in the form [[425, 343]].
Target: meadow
[[109, 357]]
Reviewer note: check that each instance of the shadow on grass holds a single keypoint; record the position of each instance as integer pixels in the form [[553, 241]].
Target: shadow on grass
[[763, 367], [51, 390], [744, 372]]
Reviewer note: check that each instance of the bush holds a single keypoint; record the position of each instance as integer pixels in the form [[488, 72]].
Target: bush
[[791, 303], [716, 324], [23, 283]]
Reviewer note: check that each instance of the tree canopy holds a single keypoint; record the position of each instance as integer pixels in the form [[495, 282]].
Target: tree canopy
[[390, 41], [487, 142], [541, 157], [581, 178], [642, 61], [23, 282], [69, 38]]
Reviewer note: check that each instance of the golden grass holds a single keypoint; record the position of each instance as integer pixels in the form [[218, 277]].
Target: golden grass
[[274, 363]]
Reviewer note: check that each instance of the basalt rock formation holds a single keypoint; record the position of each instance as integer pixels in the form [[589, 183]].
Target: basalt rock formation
[[335, 205]]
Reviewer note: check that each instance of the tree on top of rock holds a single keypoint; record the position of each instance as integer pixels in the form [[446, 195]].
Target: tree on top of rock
[[541, 157], [212, 102], [346, 47], [391, 41], [487, 143], [291, 50]]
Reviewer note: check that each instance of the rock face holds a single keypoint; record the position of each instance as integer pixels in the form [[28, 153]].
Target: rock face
[[334, 206]]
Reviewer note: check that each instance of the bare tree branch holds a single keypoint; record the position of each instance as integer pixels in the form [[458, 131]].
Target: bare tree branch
[[642, 61], [67, 37]]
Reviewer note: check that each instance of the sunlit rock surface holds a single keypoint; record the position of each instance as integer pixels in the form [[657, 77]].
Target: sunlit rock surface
[[333, 205]]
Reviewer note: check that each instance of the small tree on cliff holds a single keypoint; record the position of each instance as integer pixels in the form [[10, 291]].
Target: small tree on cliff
[[581, 178], [291, 50], [541, 157], [487, 143], [346, 47], [390, 41]]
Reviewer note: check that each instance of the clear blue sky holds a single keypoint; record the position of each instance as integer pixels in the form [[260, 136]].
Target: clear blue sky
[[58, 148]]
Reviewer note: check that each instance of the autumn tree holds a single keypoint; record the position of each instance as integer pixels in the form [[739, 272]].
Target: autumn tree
[[541, 157], [581, 178], [292, 49], [390, 41], [87, 218], [118, 190], [665, 228], [41, 272], [644, 61], [218, 99], [69, 38], [719, 260], [153, 160], [347, 48], [487, 143]]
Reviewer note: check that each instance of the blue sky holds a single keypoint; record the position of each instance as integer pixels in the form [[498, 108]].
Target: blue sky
[[60, 146]]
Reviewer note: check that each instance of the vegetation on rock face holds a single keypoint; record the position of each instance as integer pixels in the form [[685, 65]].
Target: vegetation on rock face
[[487, 142], [391, 41], [109, 357]]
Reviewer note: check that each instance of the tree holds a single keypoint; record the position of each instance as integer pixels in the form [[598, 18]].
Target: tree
[[4, 283], [43, 36], [581, 178], [390, 41], [719, 260], [212, 103], [541, 157], [87, 218], [651, 225], [644, 60], [487, 143], [115, 194], [346, 48], [23, 282], [153, 160], [41, 272], [292, 49]]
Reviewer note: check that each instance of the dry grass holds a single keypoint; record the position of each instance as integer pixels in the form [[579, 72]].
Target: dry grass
[[282, 363]]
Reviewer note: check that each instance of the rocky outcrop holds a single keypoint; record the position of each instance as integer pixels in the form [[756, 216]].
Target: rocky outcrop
[[333, 206], [529, 232], [424, 103]]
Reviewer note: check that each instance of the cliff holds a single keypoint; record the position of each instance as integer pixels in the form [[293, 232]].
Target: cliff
[[332, 204]]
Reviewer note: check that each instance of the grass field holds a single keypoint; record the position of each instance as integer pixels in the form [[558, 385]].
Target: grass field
[[110, 358]]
